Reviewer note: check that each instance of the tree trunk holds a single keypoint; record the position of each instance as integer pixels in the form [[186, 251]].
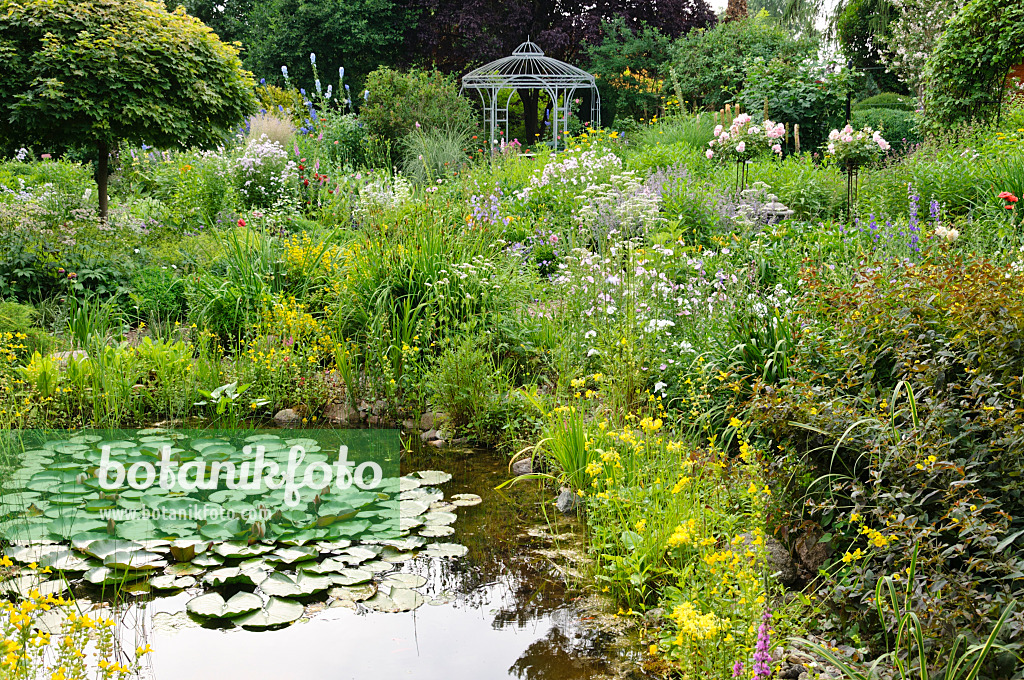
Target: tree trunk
[[102, 172], [530, 99], [736, 10]]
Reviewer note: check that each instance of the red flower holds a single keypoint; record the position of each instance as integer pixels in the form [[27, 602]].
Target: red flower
[[241, 222], [1007, 196], [1009, 206]]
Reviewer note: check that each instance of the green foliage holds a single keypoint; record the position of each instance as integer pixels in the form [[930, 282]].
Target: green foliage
[[341, 140], [157, 294], [861, 27], [887, 100], [399, 100], [903, 427], [898, 127], [804, 92], [711, 65], [62, 63], [628, 66], [463, 382], [434, 155], [358, 35], [966, 74], [20, 320]]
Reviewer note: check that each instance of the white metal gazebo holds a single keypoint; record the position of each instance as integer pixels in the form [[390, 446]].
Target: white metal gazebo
[[529, 69]]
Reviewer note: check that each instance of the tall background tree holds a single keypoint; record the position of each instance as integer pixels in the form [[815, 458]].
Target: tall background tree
[[359, 35], [96, 72], [862, 30]]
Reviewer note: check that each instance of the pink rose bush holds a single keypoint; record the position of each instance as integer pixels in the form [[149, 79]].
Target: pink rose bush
[[746, 139], [855, 147]]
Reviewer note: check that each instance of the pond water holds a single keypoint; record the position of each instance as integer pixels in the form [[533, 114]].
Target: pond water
[[502, 611]]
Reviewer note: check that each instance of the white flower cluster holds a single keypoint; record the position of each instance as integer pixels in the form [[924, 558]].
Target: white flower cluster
[[384, 193], [620, 208], [263, 174], [912, 35], [577, 169]]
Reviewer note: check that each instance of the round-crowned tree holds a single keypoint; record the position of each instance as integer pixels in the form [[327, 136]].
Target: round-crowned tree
[[95, 72]]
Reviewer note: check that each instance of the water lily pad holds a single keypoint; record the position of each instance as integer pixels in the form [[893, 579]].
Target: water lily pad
[[102, 548], [207, 560], [432, 477], [437, 531], [392, 599], [292, 555], [425, 495], [224, 576], [408, 484], [396, 556], [134, 560], [276, 613], [354, 593], [213, 605], [439, 518], [300, 585], [170, 582], [351, 577], [404, 580], [183, 569], [22, 586], [237, 549], [466, 499], [413, 508], [446, 550]]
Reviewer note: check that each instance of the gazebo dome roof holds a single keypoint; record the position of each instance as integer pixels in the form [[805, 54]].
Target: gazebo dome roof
[[527, 68]]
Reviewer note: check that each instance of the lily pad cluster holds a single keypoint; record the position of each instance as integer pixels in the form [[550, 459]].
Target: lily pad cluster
[[333, 548]]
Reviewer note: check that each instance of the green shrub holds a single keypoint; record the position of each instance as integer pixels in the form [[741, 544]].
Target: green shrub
[[897, 126], [902, 427], [814, 192], [157, 294], [887, 100], [463, 383], [21, 320], [628, 68], [342, 139], [709, 66], [804, 92], [398, 100]]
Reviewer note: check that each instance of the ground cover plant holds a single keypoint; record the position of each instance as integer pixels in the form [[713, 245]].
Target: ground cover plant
[[781, 390]]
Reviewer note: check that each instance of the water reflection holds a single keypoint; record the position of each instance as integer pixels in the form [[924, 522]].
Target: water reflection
[[505, 611]]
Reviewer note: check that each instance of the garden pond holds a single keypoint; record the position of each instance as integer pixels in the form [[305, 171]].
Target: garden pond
[[480, 588]]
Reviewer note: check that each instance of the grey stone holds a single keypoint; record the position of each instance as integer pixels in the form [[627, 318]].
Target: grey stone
[[791, 672], [804, 676], [460, 441], [341, 413], [437, 443], [568, 502], [429, 436], [408, 424], [427, 421], [380, 407], [287, 416], [73, 354], [780, 562], [523, 466]]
